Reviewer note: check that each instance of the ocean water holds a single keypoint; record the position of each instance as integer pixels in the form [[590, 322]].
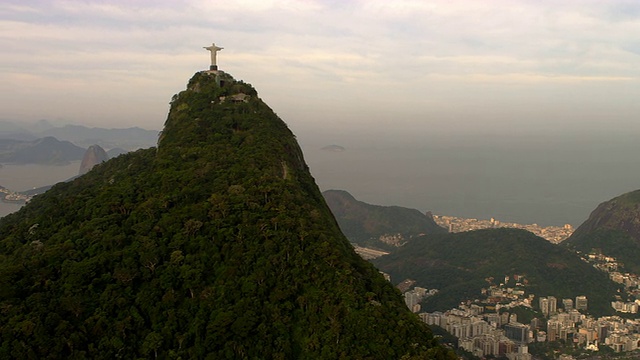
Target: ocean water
[[25, 177], [548, 180]]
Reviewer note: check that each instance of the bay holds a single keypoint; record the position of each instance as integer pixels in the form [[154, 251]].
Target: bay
[[26, 177], [548, 180]]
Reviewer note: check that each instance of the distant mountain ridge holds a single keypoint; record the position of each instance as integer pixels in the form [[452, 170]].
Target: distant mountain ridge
[[47, 150], [34, 143], [614, 229], [375, 225], [132, 138]]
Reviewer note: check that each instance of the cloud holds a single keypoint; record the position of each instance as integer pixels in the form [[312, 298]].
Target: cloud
[[324, 51]]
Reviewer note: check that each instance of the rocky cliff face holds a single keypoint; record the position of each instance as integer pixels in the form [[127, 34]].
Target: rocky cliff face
[[217, 244], [92, 157]]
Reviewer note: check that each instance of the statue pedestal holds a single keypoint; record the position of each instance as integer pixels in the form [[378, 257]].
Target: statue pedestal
[[213, 67]]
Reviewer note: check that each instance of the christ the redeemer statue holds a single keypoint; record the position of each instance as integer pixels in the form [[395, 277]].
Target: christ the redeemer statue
[[214, 50]]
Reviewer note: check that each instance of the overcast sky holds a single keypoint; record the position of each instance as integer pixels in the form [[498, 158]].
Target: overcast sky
[[375, 66]]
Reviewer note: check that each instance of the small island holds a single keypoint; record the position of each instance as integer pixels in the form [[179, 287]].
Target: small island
[[334, 148]]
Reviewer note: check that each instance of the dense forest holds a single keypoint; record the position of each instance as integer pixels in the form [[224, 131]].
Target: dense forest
[[613, 229], [216, 244], [458, 264], [364, 223]]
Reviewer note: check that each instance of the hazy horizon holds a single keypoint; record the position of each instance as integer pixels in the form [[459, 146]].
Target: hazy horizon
[[548, 179], [511, 66]]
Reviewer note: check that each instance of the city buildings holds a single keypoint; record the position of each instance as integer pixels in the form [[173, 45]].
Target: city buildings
[[554, 234], [581, 303]]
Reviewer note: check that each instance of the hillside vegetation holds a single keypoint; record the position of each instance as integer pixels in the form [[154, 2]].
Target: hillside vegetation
[[457, 264], [613, 229], [364, 223], [217, 244]]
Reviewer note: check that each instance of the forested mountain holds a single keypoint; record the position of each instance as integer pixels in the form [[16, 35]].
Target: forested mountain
[[458, 263], [217, 244], [613, 228], [374, 225], [47, 150]]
